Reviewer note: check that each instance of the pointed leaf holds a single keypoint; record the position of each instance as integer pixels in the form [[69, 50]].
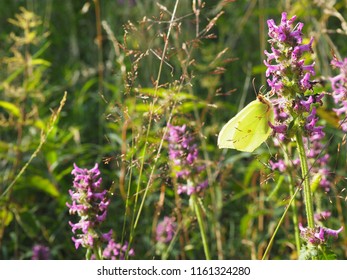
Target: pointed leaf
[[11, 108]]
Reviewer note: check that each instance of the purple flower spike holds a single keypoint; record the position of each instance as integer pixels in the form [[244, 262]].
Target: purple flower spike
[[166, 230], [295, 104], [88, 203], [322, 215], [280, 165], [339, 86], [116, 251], [91, 203], [285, 59], [183, 153], [318, 235], [40, 252]]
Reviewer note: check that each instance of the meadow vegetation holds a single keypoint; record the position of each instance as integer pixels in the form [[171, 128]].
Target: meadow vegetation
[[109, 118]]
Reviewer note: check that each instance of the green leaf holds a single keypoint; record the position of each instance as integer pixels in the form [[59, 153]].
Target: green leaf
[[39, 124], [45, 185], [6, 217], [42, 50], [187, 107], [40, 183], [40, 61], [4, 146], [11, 77], [315, 182], [11, 108]]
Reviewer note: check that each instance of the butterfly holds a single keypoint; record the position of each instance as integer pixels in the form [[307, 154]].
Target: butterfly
[[249, 128]]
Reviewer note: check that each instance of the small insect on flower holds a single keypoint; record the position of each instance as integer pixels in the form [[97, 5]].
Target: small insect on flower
[[249, 128]]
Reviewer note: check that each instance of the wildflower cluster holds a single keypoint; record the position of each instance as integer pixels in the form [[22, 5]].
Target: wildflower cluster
[[183, 153], [295, 104], [318, 235], [90, 203], [40, 252], [289, 79], [166, 230], [324, 215], [317, 242], [116, 251], [339, 87]]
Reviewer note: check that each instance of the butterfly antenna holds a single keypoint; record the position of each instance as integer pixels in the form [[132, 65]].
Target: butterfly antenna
[[255, 91]]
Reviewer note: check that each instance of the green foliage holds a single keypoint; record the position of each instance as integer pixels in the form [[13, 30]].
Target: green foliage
[[123, 91], [321, 252]]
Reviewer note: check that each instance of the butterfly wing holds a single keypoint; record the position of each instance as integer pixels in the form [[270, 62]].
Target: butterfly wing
[[226, 135], [249, 128]]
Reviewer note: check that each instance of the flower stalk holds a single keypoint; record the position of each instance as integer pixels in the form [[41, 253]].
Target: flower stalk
[[90, 203], [187, 173], [296, 118], [306, 180], [197, 210]]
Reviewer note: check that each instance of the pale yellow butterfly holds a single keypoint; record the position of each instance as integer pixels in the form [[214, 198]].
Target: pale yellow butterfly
[[249, 128]]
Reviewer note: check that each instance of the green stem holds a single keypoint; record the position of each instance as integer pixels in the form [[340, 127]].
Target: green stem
[[295, 218], [306, 180], [267, 250], [89, 254], [165, 254], [198, 214], [323, 252], [97, 251], [294, 208]]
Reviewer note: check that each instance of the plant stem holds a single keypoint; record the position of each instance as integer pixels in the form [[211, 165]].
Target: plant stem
[[295, 217], [294, 208], [88, 254], [97, 252], [201, 225], [267, 250], [306, 180]]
